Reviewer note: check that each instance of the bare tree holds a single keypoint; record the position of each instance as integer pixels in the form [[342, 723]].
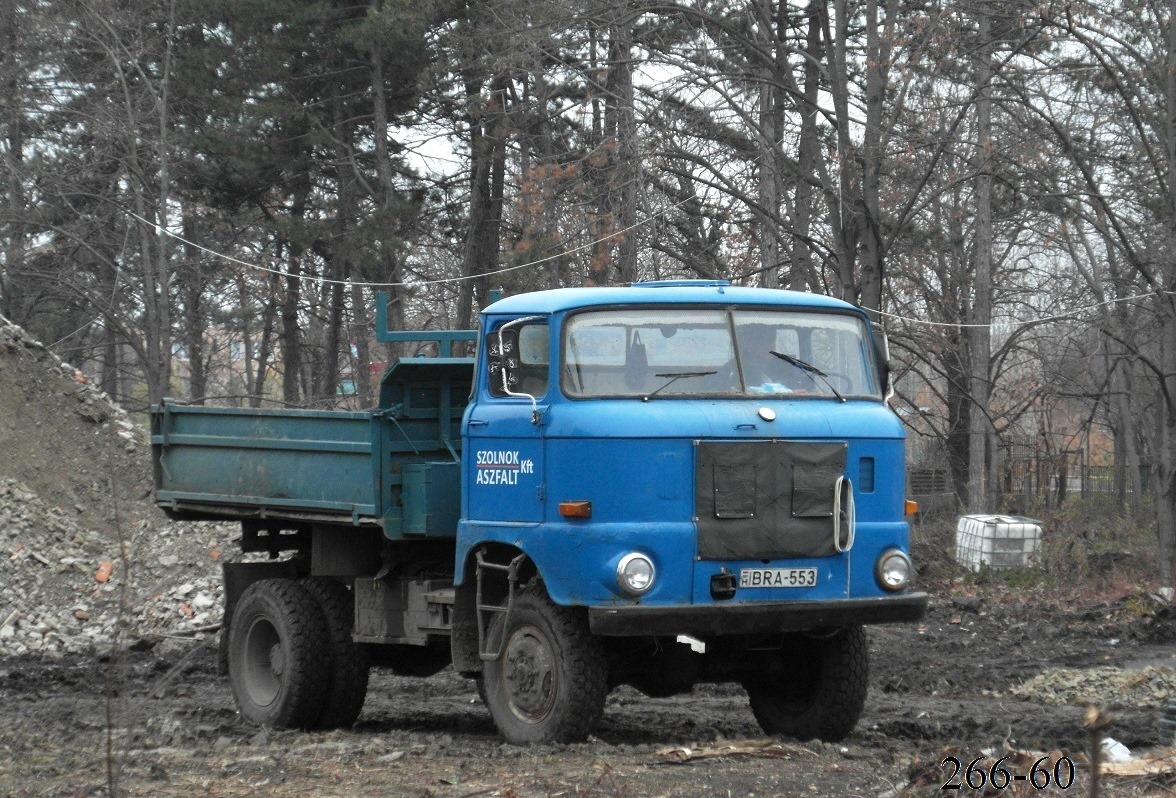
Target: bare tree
[[1131, 53], [980, 452]]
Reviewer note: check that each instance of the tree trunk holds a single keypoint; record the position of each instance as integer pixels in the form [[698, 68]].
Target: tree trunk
[[841, 189], [244, 301], [599, 226], [1128, 484], [12, 229], [770, 123], [492, 230], [1127, 429], [877, 66], [156, 334], [291, 330], [1166, 488], [958, 414], [487, 133], [328, 387], [108, 380], [339, 262], [158, 284], [360, 330], [802, 275], [1166, 468], [195, 318], [625, 171], [265, 344], [388, 258], [980, 335], [194, 323]]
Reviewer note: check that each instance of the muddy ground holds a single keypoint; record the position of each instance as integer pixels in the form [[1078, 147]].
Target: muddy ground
[[163, 723]]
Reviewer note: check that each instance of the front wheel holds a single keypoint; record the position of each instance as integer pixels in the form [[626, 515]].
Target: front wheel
[[819, 693], [549, 683], [277, 666]]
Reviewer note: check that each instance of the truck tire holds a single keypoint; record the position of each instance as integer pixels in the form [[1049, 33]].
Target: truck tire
[[822, 693], [277, 666], [347, 677], [549, 683]]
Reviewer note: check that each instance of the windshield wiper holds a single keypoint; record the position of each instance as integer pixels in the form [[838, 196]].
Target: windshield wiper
[[674, 376], [810, 370]]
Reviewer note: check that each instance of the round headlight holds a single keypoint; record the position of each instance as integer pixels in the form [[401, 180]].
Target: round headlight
[[893, 571], [635, 574]]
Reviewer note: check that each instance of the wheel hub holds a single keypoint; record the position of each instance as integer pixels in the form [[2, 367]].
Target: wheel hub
[[530, 675], [264, 664], [277, 660]]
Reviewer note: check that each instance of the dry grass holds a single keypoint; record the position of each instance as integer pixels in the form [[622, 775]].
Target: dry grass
[[1091, 550]]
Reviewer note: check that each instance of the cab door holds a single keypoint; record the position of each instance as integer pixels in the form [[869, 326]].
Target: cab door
[[504, 448]]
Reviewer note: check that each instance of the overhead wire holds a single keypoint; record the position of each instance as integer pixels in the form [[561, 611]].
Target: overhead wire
[[161, 231], [1041, 320]]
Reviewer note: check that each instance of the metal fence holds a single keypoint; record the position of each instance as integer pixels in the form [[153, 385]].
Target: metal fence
[[1050, 478], [1029, 477]]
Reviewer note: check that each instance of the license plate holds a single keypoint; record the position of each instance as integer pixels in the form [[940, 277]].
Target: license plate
[[777, 577]]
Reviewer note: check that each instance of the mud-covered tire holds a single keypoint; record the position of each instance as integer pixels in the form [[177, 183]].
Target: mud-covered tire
[[823, 692], [347, 677], [277, 662], [222, 651], [551, 679]]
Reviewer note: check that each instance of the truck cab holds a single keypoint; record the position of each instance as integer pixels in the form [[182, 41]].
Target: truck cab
[[702, 474]]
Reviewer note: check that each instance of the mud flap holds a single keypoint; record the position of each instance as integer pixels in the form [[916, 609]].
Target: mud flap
[[236, 576]]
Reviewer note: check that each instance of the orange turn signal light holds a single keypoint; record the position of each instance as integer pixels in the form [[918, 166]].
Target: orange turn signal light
[[575, 509], [911, 507]]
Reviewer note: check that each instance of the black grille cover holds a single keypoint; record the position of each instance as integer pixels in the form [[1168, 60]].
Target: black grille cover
[[766, 500]]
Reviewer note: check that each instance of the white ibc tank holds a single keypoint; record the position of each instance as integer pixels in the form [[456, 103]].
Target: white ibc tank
[[997, 541]]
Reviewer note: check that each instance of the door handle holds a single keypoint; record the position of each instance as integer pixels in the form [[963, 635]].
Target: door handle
[[477, 422]]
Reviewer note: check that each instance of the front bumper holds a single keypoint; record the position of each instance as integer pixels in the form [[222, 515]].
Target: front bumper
[[713, 620]]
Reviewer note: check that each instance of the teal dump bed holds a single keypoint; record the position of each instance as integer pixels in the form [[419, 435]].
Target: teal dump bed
[[309, 460], [396, 466]]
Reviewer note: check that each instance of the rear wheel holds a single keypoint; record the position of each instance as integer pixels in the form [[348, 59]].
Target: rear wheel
[[347, 678], [551, 679], [277, 666], [820, 692]]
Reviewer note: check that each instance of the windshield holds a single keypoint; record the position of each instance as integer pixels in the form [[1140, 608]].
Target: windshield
[[655, 353]]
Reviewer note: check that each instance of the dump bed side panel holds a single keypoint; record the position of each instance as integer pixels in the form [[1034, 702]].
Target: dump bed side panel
[[396, 466], [230, 462]]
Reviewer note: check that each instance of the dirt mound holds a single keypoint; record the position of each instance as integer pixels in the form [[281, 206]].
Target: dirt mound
[[65, 440], [84, 554]]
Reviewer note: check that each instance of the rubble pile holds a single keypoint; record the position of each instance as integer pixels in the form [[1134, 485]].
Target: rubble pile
[[1151, 686], [92, 405], [86, 560]]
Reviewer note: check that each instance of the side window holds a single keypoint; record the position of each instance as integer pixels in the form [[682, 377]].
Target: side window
[[518, 359]]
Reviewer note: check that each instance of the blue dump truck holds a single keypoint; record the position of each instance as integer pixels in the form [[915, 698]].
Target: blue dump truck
[[656, 485]]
